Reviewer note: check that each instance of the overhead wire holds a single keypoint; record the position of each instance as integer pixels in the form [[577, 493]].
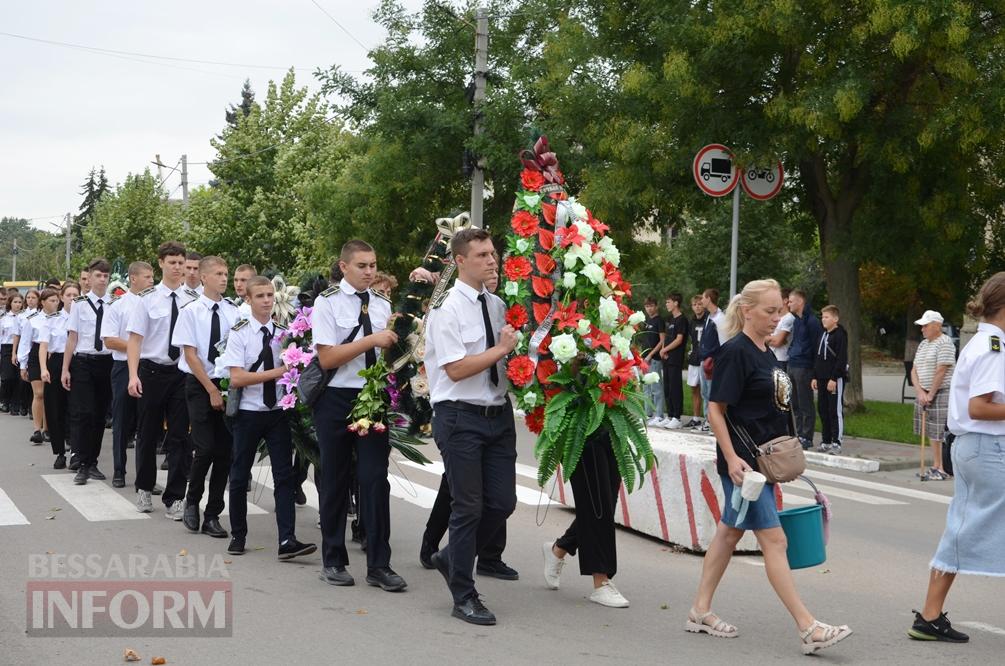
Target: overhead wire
[[344, 29]]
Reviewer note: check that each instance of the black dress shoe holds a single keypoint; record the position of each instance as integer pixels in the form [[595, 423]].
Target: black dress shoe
[[425, 555], [293, 548], [74, 463], [45, 436], [497, 569], [36, 437], [95, 473], [190, 519], [299, 497], [157, 490], [119, 481], [80, 478], [440, 562], [473, 610], [60, 462], [212, 527], [385, 579], [337, 576], [236, 546]]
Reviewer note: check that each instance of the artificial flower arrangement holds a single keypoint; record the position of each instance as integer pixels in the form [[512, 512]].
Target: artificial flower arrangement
[[574, 369]]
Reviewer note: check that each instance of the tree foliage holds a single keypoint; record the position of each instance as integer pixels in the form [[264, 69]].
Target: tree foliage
[[39, 253]]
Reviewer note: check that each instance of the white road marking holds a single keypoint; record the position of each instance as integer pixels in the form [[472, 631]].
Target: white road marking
[[253, 509], [833, 491], [524, 495], [405, 489], [796, 500], [263, 475], [980, 626], [881, 487], [95, 501], [9, 513], [751, 562]]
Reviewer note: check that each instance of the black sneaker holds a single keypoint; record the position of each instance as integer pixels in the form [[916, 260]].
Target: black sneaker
[[299, 497], [236, 546], [497, 569], [60, 462], [939, 629], [36, 437], [46, 436], [293, 548], [693, 423], [74, 463]]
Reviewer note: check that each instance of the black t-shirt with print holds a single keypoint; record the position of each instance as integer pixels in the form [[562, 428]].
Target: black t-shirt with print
[[649, 333], [757, 393], [697, 325], [676, 326]]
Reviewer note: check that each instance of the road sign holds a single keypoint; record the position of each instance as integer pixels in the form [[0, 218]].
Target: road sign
[[714, 170], [762, 183]]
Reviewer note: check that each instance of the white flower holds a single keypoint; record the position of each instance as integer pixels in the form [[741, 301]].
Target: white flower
[[622, 345], [651, 378], [569, 279], [605, 288], [606, 243], [583, 252], [571, 259], [578, 209], [522, 245], [530, 399], [585, 230], [511, 288], [583, 327], [593, 273], [598, 258], [605, 364], [613, 255], [637, 318], [608, 313], [563, 348], [419, 385]]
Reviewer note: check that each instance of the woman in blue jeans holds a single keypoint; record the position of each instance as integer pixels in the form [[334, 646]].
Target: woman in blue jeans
[[973, 541]]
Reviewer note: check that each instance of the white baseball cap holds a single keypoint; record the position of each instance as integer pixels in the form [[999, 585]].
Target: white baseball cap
[[929, 317]]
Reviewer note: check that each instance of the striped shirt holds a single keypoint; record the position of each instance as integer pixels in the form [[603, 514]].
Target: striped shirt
[[930, 355]]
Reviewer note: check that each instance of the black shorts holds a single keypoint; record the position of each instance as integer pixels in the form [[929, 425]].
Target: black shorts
[[34, 369]]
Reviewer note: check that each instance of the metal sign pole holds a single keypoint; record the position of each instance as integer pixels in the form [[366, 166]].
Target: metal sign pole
[[735, 242]]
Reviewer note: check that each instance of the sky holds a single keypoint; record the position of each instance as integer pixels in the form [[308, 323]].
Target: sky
[[64, 110]]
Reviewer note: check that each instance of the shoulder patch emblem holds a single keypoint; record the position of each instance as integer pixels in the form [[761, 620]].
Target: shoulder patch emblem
[[185, 305], [330, 291], [78, 299], [231, 301], [113, 299], [148, 290], [54, 314], [382, 297], [438, 301], [33, 314], [996, 344], [239, 325], [280, 326], [192, 292]]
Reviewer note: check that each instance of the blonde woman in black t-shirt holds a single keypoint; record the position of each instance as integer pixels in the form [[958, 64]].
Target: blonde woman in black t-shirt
[[753, 393]]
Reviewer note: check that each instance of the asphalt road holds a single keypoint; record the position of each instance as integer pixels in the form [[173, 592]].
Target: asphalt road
[[875, 574]]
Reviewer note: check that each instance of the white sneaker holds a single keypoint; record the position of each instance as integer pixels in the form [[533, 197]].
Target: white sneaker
[[608, 595], [705, 427], [653, 422], [552, 566], [673, 423], [176, 511], [144, 503]]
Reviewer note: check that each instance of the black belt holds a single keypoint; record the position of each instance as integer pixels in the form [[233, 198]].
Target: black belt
[[484, 410], [154, 366], [91, 357]]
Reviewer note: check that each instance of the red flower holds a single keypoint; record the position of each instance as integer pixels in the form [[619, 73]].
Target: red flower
[[550, 393], [520, 370], [524, 223], [596, 224], [546, 238], [546, 368], [516, 316], [531, 180], [570, 235], [542, 286], [599, 338], [567, 317], [517, 269], [611, 393], [541, 311], [622, 372], [545, 264], [549, 211], [535, 420], [543, 347]]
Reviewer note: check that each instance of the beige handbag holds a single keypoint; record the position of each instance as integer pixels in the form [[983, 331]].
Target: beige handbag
[[780, 459]]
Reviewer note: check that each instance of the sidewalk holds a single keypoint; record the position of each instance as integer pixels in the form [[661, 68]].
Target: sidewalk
[[889, 455]]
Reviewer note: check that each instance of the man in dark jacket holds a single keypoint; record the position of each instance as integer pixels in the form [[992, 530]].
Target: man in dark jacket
[[806, 332], [830, 367]]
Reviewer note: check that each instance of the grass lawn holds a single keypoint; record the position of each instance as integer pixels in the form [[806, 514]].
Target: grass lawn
[[889, 421]]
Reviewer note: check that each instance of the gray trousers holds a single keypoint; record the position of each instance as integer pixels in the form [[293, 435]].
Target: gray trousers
[[802, 401]]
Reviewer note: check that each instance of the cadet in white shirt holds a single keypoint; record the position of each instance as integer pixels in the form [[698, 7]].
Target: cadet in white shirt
[[116, 337], [242, 274], [253, 356], [51, 346], [154, 378], [27, 359], [23, 392], [192, 278], [10, 380], [199, 332], [349, 324], [466, 342], [87, 374]]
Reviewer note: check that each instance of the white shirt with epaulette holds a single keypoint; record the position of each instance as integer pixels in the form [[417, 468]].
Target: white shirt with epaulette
[[194, 325], [9, 327], [980, 370], [151, 318], [83, 320], [116, 319], [54, 330], [455, 328], [30, 328], [336, 314], [244, 346]]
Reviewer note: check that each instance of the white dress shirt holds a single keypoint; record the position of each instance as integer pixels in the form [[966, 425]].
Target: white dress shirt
[[244, 346], [336, 314], [30, 327], [454, 330], [151, 318], [54, 330], [979, 371], [83, 320], [10, 326], [194, 325], [116, 319]]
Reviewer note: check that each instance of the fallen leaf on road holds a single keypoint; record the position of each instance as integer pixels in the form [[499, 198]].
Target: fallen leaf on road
[[183, 552], [825, 571], [663, 606], [158, 660], [362, 611], [50, 552], [228, 561], [55, 508], [50, 516], [259, 548], [131, 655]]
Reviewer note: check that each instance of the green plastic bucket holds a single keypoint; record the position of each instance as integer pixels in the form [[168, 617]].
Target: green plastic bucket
[[804, 531]]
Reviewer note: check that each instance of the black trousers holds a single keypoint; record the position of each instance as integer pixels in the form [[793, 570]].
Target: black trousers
[[249, 428], [9, 377], [212, 443], [439, 521], [479, 453], [163, 398], [124, 408], [90, 395], [673, 390], [830, 409], [595, 484], [802, 401], [331, 418], [56, 401]]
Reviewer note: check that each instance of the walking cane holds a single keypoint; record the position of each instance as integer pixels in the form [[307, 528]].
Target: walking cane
[[924, 419]]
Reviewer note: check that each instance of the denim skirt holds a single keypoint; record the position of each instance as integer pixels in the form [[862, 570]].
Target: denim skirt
[[762, 513], [974, 540]]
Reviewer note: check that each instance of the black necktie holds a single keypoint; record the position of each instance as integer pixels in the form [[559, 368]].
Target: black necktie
[[268, 363], [364, 321], [99, 345], [214, 334], [490, 338], [172, 350]]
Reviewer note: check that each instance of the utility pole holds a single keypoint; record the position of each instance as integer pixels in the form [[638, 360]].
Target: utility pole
[[184, 191], [13, 262], [69, 223], [160, 168], [481, 65]]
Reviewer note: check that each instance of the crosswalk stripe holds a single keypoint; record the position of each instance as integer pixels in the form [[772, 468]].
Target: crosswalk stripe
[[95, 501], [796, 500], [524, 495], [420, 496], [833, 491], [253, 509], [9, 513], [263, 474], [881, 487]]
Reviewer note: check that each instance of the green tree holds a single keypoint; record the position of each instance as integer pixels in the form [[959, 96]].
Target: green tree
[[39, 253], [93, 189], [244, 108]]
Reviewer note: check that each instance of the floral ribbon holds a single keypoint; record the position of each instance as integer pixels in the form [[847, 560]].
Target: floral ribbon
[[563, 213], [284, 309]]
